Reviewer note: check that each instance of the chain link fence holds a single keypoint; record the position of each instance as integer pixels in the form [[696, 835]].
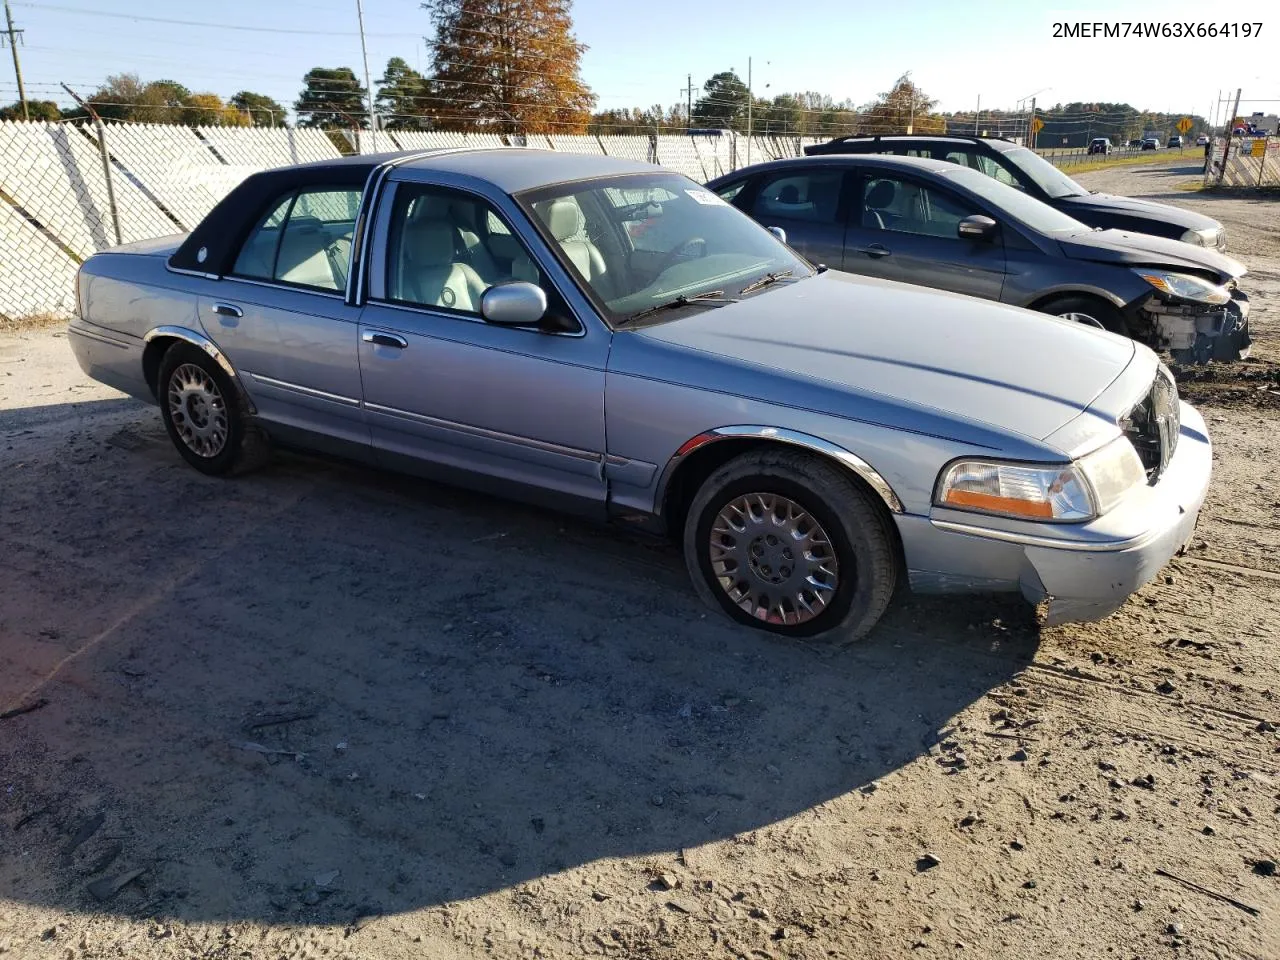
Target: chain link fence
[[1248, 162], [57, 209]]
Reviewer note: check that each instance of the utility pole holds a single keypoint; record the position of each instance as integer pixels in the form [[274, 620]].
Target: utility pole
[[364, 52], [688, 110], [1031, 125], [977, 115], [1226, 139], [750, 97], [17, 65]]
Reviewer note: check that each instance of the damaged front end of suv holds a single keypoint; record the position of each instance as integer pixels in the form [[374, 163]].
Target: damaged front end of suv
[[1195, 318]]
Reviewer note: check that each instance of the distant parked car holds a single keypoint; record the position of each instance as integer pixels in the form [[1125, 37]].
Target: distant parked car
[[1135, 143], [1100, 145], [1019, 167], [1151, 143], [1202, 140], [1175, 142], [812, 439], [943, 225]]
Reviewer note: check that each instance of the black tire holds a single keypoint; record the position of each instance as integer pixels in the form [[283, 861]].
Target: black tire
[[229, 442], [1104, 315], [856, 529]]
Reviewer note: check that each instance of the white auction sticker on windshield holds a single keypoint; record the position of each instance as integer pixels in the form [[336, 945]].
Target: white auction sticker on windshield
[[704, 197]]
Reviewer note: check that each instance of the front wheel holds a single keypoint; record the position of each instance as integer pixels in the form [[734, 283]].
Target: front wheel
[[1090, 311], [784, 541]]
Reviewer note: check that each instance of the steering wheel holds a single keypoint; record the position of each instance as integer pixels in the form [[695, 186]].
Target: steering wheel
[[674, 254]]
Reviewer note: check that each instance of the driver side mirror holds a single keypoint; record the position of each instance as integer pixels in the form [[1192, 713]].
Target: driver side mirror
[[514, 304], [779, 233], [976, 227]]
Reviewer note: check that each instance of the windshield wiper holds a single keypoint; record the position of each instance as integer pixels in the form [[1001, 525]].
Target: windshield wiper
[[710, 296], [764, 281]]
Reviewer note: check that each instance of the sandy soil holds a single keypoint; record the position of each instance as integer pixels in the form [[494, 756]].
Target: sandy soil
[[334, 713]]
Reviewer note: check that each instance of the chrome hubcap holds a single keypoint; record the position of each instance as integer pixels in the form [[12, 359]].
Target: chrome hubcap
[[198, 411], [1082, 318], [773, 559]]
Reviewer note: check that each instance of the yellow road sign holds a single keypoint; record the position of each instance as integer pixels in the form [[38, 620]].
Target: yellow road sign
[[1037, 125], [1185, 124], [1258, 148]]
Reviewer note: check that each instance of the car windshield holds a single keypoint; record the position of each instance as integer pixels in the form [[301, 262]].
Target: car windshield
[[649, 240], [1026, 209], [1044, 174]]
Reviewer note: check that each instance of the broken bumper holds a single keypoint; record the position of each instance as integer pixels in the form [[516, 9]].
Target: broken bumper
[[1198, 334], [1084, 571]]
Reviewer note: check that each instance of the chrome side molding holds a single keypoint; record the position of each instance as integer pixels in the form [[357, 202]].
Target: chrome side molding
[[196, 339], [850, 461]]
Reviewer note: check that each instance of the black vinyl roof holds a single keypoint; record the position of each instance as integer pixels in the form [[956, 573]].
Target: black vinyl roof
[[222, 232]]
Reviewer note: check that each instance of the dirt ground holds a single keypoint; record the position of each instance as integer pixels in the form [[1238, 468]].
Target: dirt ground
[[332, 713]]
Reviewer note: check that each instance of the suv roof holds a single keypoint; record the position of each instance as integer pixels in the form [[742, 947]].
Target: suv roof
[[873, 144]]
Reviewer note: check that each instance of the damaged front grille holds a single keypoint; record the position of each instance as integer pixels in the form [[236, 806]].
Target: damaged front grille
[[1153, 425]]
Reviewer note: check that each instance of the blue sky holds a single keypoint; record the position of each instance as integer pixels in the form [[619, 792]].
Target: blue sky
[[641, 52]]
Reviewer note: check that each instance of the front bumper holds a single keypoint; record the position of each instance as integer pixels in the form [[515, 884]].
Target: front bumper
[[1197, 334], [1084, 571]]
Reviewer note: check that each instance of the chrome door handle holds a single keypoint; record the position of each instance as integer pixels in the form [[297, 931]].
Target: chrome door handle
[[384, 339], [227, 310], [875, 250]]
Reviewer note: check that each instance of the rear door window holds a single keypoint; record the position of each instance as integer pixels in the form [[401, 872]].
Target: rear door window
[[305, 240], [811, 195]]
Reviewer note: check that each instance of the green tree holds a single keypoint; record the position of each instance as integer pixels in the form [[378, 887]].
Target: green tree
[[262, 110], [507, 66], [723, 104], [208, 110], [45, 110], [331, 97], [904, 107], [402, 96]]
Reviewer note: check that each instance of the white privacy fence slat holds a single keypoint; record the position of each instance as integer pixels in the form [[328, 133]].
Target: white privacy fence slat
[[36, 275]]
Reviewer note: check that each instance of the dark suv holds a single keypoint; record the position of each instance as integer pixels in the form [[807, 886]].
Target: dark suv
[[1019, 167]]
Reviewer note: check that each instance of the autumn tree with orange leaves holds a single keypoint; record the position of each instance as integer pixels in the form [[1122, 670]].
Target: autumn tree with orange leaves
[[506, 66]]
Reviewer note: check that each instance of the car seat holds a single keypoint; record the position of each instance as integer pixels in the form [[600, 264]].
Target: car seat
[[565, 221], [429, 273], [880, 197]]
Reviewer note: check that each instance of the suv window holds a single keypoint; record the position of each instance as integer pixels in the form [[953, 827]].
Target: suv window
[[445, 249], [993, 169], [812, 195], [903, 206], [305, 240]]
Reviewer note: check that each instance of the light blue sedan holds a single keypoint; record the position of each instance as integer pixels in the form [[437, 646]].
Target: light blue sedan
[[613, 339]]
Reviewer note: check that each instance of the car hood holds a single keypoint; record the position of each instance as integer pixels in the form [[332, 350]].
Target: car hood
[[1142, 249], [1134, 209], [894, 354]]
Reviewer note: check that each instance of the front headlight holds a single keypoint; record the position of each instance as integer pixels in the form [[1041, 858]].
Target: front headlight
[[1064, 493], [1184, 286], [1023, 491], [1112, 471], [1206, 237]]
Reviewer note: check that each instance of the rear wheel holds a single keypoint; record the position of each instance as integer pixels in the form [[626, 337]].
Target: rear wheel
[[1091, 311], [203, 414], [784, 541]]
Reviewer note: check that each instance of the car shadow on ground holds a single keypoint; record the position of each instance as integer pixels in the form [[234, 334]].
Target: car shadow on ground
[[322, 691]]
